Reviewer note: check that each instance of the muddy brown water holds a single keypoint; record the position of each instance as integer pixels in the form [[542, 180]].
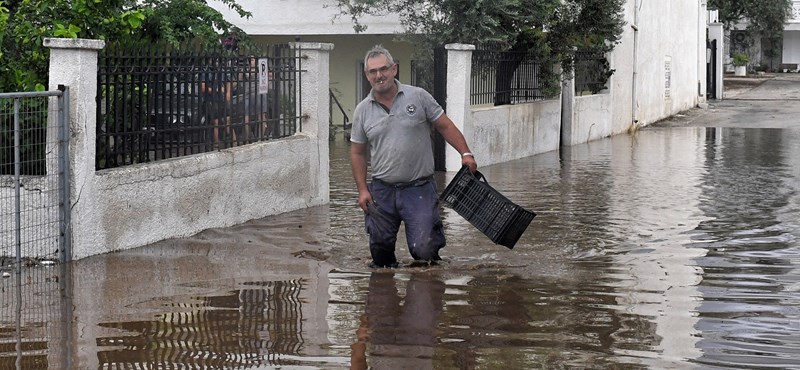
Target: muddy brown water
[[670, 248]]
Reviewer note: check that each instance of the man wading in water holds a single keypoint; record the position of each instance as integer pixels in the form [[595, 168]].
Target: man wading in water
[[394, 122]]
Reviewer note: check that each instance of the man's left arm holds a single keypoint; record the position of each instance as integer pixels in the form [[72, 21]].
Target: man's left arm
[[445, 126]]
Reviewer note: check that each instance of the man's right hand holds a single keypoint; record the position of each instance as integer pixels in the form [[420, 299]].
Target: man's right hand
[[364, 198], [358, 163]]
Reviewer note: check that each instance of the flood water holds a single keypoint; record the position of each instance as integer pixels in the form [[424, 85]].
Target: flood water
[[670, 248]]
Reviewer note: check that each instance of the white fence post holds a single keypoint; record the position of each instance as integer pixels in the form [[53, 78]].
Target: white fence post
[[716, 32], [459, 73], [316, 107], [73, 62]]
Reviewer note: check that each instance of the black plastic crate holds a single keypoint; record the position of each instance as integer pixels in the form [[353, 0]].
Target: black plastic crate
[[485, 208]]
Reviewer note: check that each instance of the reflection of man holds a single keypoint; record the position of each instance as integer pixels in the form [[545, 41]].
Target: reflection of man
[[400, 335]]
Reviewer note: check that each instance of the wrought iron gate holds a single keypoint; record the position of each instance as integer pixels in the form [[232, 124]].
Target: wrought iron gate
[[711, 69], [440, 94], [34, 228]]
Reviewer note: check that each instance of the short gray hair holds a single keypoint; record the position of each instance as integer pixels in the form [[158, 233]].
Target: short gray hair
[[376, 51]]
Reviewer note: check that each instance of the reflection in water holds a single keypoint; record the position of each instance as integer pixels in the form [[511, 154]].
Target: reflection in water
[[749, 313], [671, 248], [245, 328], [35, 319], [395, 332]]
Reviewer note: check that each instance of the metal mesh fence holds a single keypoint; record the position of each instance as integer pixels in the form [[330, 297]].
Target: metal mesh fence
[[32, 229]]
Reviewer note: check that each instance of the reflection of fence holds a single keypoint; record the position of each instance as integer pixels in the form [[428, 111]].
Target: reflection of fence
[[244, 328], [506, 77], [35, 319], [158, 103]]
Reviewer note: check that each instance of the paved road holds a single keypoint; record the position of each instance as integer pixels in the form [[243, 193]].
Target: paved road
[[771, 102]]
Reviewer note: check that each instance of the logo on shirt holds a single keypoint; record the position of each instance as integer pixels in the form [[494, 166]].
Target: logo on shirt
[[410, 109]]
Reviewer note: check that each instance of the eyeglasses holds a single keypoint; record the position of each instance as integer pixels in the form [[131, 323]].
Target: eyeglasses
[[382, 70]]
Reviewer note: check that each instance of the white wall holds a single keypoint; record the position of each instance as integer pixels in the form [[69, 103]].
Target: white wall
[[791, 47], [141, 204], [508, 132], [668, 32], [591, 118], [302, 17]]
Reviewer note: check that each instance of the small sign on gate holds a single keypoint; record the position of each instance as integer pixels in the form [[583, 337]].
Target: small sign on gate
[[263, 75]]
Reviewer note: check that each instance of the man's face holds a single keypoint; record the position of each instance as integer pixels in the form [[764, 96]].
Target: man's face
[[380, 73]]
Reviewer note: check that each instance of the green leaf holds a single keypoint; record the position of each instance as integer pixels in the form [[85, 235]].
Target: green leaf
[[70, 31], [134, 18]]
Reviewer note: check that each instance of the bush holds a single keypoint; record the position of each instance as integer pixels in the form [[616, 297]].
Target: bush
[[740, 59]]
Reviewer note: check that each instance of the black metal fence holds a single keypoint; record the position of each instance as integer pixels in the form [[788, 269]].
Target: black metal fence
[[506, 77], [592, 72], [156, 103], [336, 106]]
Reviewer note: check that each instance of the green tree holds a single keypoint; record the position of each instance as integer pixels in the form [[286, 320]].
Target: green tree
[[767, 17], [553, 29], [24, 61]]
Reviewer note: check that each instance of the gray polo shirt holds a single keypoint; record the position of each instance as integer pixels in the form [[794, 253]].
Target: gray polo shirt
[[400, 143]]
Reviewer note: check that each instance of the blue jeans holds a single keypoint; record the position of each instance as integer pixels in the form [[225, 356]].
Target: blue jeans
[[414, 205]]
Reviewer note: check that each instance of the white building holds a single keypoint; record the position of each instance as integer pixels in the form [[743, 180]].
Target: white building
[[791, 37], [783, 57]]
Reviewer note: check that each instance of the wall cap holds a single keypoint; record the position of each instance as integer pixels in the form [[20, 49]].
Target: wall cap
[[463, 47], [61, 43], [324, 46]]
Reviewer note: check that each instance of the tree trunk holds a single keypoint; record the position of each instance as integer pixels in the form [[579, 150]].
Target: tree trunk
[[509, 62]]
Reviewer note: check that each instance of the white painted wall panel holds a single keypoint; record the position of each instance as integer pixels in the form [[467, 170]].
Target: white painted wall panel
[[669, 33], [791, 47], [301, 17]]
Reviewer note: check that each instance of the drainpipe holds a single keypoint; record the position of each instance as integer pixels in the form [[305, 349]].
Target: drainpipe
[[635, 27]]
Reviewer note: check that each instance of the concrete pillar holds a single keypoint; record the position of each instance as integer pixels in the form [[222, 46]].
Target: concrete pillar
[[459, 72], [73, 63], [716, 32], [702, 21], [316, 108]]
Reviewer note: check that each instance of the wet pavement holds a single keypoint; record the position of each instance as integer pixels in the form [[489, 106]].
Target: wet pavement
[[675, 247]]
